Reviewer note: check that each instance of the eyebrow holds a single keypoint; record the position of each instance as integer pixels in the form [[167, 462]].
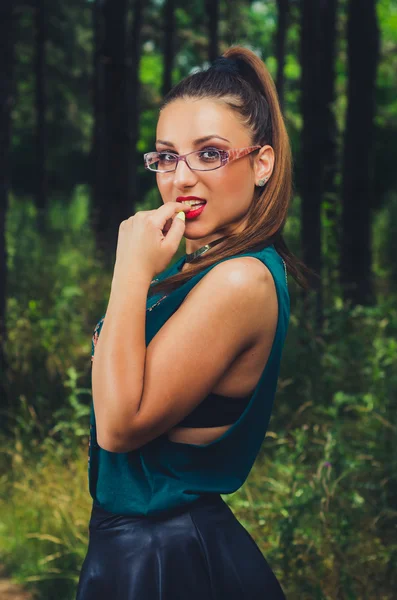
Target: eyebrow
[[196, 142]]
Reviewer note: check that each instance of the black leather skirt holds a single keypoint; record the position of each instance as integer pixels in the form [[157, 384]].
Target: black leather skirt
[[199, 552]]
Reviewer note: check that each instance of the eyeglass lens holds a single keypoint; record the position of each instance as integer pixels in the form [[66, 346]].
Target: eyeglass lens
[[203, 160]]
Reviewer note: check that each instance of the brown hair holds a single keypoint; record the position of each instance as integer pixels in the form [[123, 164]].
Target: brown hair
[[245, 85]]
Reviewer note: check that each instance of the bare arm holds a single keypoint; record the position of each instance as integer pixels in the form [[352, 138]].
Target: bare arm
[[146, 393], [120, 353]]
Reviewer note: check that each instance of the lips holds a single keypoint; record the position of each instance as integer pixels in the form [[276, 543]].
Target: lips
[[195, 211], [182, 198]]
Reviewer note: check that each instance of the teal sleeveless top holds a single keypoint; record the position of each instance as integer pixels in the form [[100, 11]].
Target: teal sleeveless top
[[162, 474]]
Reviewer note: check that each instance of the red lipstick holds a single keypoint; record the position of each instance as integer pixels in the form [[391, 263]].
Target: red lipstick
[[180, 198], [195, 211]]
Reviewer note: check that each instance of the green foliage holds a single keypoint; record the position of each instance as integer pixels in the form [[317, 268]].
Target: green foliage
[[385, 245], [51, 316], [150, 71], [321, 498], [320, 501]]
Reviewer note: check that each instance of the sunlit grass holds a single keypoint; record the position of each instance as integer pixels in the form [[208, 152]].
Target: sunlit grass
[[44, 516]]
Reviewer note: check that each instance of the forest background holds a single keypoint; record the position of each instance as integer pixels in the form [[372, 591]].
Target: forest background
[[80, 86]]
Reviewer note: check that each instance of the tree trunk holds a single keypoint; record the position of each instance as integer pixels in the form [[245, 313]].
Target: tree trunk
[[169, 43], [363, 52], [41, 110], [331, 210], [281, 36], [212, 10], [318, 134], [112, 158], [6, 98], [134, 97], [98, 154]]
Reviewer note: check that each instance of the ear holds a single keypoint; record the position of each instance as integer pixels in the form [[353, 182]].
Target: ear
[[264, 163]]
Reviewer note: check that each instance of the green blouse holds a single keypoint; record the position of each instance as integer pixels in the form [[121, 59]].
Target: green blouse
[[162, 474]]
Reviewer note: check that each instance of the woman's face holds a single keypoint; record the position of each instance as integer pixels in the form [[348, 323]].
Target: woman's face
[[228, 190]]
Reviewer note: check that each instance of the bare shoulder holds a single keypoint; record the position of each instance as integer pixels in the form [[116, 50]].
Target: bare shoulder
[[246, 275], [239, 289]]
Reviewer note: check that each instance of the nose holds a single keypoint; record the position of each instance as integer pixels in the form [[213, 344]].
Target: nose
[[184, 176]]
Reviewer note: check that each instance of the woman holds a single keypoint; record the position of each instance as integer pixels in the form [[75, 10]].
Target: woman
[[186, 366]]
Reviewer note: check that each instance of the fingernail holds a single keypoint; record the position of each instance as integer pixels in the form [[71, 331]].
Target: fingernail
[[181, 215]]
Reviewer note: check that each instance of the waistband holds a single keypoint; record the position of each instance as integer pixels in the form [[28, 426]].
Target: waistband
[[101, 517]]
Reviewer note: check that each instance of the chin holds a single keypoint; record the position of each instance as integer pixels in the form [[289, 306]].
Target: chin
[[197, 235]]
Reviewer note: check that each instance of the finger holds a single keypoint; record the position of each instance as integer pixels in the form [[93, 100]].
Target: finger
[[168, 211], [167, 226], [172, 240]]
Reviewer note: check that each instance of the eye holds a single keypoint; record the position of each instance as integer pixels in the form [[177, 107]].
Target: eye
[[165, 156], [212, 154]]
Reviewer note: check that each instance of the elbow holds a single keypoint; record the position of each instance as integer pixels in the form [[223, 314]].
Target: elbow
[[121, 435], [114, 432], [116, 442]]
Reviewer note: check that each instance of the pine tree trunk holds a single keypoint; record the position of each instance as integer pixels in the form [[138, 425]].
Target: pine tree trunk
[[41, 110], [112, 157], [134, 97], [312, 112], [363, 52], [169, 43], [212, 11], [281, 36], [6, 99], [330, 197], [98, 155], [318, 134]]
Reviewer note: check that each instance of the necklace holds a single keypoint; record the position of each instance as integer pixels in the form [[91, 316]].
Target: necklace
[[188, 258], [200, 251], [192, 255]]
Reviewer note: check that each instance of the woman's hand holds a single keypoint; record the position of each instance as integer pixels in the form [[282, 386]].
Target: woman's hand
[[148, 241]]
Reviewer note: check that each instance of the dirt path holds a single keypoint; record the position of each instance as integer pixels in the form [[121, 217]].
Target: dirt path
[[11, 591]]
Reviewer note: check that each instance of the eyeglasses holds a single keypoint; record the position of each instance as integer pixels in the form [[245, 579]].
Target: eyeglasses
[[207, 159]]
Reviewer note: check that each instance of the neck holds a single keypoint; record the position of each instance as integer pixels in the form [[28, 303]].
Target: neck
[[195, 255], [193, 245]]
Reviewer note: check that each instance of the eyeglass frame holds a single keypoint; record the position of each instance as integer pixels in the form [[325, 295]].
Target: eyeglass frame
[[227, 156]]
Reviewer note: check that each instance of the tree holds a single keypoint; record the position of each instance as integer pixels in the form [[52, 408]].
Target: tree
[[6, 98], [168, 45], [134, 96], [112, 139], [281, 35], [212, 12], [357, 176], [318, 134], [41, 110]]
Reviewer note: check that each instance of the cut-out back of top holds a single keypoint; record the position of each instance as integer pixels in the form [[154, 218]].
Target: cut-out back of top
[[216, 410]]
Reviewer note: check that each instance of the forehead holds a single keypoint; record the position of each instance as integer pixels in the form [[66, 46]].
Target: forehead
[[185, 120]]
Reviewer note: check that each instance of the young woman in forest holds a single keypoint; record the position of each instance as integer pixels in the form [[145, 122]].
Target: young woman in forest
[[188, 356]]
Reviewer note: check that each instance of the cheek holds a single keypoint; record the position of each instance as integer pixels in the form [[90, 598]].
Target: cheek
[[225, 180], [232, 187], [164, 186]]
